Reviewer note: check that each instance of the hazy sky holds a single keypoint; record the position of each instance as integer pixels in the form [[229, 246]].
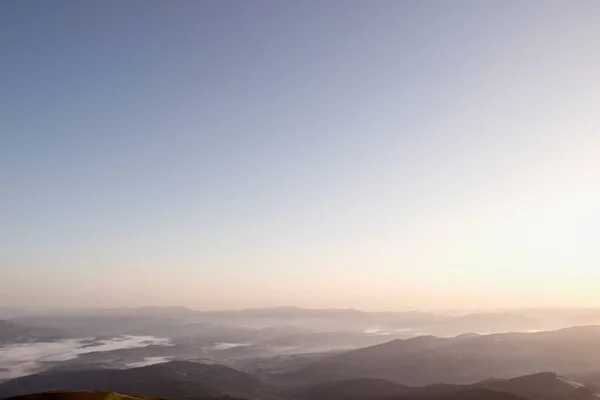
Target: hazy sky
[[339, 153]]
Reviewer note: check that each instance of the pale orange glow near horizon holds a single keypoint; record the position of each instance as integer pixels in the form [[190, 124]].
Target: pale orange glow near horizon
[[370, 155]]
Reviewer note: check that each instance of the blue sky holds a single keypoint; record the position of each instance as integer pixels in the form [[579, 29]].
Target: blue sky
[[371, 154]]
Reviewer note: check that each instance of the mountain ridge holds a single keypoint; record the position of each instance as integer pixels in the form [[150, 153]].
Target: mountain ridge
[[539, 386], [175, 379], [464, 359]]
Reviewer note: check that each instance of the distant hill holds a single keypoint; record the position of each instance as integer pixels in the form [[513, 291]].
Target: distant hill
[[177, 379], [94, 395], [353, 389], [188, 382], [589, 379], [542, 386], [368, 389], [485, 323], [11, 332], [185, 322], [83, 395], [315, 318], [464, 359]]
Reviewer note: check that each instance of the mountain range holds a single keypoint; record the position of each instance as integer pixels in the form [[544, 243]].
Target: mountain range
[[197, 381], [96, 395], [542, 386], [288, 362], [176, 379], [464, 359], [11, 332]]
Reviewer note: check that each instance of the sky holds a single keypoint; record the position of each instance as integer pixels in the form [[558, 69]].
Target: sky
[[381, 155]]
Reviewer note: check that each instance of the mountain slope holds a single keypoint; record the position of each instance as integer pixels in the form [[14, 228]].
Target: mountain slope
[[364, 391], [542, 386], [464, 359], [84, 395], [177, 379], [353, 389], [17, 333], [92, 395]]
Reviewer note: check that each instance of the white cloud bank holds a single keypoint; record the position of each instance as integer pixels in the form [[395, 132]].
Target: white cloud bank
[[25, 359]]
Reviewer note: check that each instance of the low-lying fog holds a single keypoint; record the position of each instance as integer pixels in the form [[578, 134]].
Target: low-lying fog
[[140, 337], [28, 358]]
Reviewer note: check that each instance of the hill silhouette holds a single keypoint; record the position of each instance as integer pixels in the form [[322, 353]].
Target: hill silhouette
[[464, 359], [176, 379], [94, 395], [541, 386]]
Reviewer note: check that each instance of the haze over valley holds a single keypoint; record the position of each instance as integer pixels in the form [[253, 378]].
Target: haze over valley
[[271, 342]]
